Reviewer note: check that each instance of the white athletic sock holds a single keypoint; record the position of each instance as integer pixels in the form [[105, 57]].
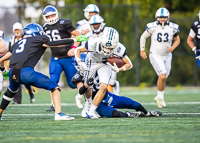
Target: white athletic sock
[[52, 103], [92, 108], [160, 94], [79, 96]]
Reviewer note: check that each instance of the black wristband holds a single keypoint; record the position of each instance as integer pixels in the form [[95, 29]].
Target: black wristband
[[82, 90], [2, 69]]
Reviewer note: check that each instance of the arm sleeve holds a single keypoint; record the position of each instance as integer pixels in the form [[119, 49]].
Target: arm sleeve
[[143, 38], [59, 42]]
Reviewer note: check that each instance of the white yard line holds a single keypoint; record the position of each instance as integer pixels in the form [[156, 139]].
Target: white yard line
[[166, 92], [73, 104], [80, 114]]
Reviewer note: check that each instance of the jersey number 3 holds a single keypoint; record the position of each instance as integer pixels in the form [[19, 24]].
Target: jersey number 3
[[21, 46], [159, 37]]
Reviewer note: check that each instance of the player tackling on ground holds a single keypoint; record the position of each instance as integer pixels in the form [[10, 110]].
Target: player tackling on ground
[[162, 34]]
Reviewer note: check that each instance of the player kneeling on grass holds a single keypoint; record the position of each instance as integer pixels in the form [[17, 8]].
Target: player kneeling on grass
[[111, 101], [99, 49], [24, 55]]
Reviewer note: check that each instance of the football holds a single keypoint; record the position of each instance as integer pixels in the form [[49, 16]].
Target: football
[[119, 62]]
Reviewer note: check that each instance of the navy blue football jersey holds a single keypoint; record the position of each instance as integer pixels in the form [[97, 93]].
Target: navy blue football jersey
[[27, 52], [196, 28], [60, 30]]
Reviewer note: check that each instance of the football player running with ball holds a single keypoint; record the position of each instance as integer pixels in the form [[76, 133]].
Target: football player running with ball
[[99, 49], [162, 34], [24, 55]]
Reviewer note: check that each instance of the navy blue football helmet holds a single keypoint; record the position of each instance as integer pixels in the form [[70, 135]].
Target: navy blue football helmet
[[50, 10], [33, 29]]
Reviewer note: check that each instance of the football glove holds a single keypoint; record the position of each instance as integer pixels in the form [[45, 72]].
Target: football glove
[[90, 81], [83, 66], [114, 68], [5, 75], [81, 38]]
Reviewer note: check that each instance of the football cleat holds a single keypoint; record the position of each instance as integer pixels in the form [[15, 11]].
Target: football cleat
[[132, 114], [32, 100], [62, 116], [154, 114], [160, 102], [51, 108], [93, 115], [78, 99], [86, 107]]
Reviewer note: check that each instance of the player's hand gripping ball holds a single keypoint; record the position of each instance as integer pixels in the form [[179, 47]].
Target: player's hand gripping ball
[[119, 62]]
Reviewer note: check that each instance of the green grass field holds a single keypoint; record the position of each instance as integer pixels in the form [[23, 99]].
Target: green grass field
[[180, 122]]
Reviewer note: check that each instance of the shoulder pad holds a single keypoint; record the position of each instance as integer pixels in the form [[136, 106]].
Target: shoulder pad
[[120, 50], [44, 25], [81, 22], [196, 23], [174, 25], [151, 25], [65, 21]]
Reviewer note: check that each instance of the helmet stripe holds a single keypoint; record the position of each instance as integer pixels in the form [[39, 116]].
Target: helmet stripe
[[95, 21], [110, 38], [95, 10], [111, 34], [162, 12]]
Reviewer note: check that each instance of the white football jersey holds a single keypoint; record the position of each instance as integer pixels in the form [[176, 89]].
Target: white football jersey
[[161, 37], [94, 35], [83, 25], [96, 54]]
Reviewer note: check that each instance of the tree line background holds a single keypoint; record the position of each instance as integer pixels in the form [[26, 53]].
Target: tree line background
[[129, 18]]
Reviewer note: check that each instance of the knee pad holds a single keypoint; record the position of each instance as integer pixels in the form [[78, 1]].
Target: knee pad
[[76, 79], [115, 113]]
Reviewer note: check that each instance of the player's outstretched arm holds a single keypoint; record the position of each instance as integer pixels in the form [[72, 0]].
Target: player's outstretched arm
[[65, 41], [81, 38]]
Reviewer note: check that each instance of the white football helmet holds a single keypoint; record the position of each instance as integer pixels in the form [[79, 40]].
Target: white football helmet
[[162, 12], [50, 10], [109, 41], [90, 8], [97, 19]]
